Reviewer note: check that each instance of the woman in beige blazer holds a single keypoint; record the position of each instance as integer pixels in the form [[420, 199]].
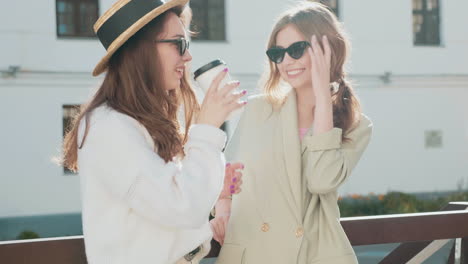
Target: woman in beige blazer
[[299, 141]]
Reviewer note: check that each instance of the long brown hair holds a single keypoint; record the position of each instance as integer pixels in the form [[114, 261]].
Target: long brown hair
[[312, 18], [133, 86]]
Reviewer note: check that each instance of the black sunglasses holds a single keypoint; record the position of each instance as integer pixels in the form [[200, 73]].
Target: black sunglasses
[[295, 50], [182, 44]]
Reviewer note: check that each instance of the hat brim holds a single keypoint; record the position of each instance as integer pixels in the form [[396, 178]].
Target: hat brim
[[120, 40]]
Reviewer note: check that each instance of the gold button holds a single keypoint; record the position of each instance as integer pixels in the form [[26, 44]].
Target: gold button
[[265, 227], [299, 232]]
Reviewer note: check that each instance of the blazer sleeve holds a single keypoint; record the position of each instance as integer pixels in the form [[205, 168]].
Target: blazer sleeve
[[327, 161], [173, 194]]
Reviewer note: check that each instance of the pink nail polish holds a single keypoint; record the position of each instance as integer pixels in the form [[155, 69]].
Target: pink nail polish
[[228, 164], [232, 186], [243, 166], [244, 92], [232, 191], [234, 179], [225, 70], [245, 102]]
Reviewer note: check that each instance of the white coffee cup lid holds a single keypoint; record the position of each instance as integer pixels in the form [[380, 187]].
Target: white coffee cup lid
[[207, 67]]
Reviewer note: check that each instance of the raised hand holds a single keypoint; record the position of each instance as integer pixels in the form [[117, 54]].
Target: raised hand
[[320, 70], [219, 102]]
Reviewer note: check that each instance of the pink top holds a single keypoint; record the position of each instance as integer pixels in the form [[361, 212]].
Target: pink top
[[302, 132]]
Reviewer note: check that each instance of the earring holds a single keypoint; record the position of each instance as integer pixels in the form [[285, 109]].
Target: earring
[[334, 87]]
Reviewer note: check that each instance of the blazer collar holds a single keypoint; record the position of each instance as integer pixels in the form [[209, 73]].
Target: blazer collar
[[292, 153]]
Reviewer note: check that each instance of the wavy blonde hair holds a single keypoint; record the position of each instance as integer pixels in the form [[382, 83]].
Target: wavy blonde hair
[[312, 18]]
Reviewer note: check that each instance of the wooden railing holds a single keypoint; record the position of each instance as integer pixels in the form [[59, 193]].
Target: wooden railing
[[421, 234], [419, 246]]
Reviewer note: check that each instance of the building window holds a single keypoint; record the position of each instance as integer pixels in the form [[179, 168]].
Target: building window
[[68, 114], [426, 22], [332, 5], [209, 20], [75, 18]]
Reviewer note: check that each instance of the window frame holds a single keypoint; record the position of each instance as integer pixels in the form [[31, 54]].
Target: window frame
[[424, 27], [193, 26], [76, 19]]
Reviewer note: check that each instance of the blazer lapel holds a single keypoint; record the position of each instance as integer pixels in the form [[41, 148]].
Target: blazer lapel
[[292, 153]]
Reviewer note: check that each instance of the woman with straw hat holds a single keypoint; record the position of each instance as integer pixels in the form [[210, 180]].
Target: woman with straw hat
[[148, 188]]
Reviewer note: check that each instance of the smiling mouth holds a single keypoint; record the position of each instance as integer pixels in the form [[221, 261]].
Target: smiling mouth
[[294, 73], [180, 71]]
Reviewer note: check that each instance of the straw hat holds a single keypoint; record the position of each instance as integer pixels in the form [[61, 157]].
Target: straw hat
[[123, 20]]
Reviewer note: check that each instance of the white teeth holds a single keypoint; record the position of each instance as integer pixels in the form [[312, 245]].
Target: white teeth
[[295, 72]]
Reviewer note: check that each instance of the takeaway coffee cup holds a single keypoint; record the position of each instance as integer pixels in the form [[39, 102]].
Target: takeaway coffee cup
[[205, 75]]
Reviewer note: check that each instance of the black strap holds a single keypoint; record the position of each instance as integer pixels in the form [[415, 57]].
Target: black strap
[[124, 18]]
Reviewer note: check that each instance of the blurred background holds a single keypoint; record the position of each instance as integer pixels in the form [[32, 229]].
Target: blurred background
[[409, 66]]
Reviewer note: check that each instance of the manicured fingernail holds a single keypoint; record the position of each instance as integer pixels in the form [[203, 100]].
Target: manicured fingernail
[[244, 92], [228, 164], [232, 186], [234, 179], [244, 103], [232, 191], [243, 166], [225, 70]]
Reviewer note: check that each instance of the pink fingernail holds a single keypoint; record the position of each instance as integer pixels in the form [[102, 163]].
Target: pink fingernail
[[244, 92], [225, 70], [232, 186], [232, 191], [243, 166], [244, 103], [228, 164], [234, 179]]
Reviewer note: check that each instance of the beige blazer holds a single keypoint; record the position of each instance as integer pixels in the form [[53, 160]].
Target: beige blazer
[[287, 211]]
